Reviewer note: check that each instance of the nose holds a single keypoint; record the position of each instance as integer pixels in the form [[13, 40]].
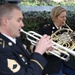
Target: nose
[[22, 24], [65, 18]]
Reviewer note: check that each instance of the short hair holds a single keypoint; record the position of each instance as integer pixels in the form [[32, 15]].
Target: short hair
[[56, 11], [6, 9]]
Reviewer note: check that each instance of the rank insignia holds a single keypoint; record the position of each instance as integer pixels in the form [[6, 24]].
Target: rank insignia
[[46, 25], [13, 65]]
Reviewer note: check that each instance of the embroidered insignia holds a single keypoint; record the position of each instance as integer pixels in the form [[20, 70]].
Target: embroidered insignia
[[13, 65], [10, 43], [46, 25]]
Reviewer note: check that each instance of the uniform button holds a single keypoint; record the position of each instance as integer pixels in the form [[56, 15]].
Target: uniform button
[[26, 63], [53, 27], [20, 55], [10, 44]]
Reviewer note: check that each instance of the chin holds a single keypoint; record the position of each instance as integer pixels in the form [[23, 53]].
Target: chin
[[18, 35], [63, 24]]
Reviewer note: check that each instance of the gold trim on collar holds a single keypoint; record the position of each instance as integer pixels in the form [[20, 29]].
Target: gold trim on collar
[[2, 42]]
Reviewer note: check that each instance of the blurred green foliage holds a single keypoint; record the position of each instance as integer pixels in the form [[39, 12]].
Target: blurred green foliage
[[46, 3]]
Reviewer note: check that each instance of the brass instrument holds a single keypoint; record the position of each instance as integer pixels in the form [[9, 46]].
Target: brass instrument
[[62, 43], [65, 37]]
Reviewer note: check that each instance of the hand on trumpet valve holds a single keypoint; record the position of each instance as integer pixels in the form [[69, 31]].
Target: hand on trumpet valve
[[44, 44]]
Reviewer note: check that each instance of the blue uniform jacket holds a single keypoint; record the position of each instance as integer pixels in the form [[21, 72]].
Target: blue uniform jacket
[[15, 60], [54, 63]]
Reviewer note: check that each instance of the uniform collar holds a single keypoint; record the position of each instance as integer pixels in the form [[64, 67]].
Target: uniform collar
[[10, 38], [58, 27]]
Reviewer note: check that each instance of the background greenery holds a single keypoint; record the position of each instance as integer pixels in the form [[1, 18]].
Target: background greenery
[[47, 2]]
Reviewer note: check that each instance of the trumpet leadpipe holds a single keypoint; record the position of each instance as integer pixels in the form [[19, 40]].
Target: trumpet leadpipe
[[31, 33]]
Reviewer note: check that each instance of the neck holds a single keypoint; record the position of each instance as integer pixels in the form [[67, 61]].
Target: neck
[[57, 24]]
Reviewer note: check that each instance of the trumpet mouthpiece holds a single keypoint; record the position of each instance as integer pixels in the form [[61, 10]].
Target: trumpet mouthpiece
[[21, 30]]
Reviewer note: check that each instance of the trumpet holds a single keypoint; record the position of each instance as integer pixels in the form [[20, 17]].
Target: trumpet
[[58, 50]]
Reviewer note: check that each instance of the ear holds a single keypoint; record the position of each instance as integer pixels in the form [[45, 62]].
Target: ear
[[4, 21]]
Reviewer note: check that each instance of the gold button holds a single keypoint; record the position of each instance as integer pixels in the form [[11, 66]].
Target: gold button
[[10, 44], [20, 55], [26, 63], [53, 27]]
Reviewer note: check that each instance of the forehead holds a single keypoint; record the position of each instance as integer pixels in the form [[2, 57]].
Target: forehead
[[63, 13], [17, 13]]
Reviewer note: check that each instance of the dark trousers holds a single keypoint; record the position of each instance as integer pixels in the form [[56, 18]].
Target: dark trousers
[[65, 71]]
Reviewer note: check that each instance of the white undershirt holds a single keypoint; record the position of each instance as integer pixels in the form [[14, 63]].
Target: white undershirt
[[12, 39], [58, 27]]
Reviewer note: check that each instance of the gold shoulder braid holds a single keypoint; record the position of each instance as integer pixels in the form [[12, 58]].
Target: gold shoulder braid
[[2, 42]]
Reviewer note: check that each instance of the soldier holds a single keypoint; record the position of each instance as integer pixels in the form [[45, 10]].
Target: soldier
[[14, 58], [55, 65]]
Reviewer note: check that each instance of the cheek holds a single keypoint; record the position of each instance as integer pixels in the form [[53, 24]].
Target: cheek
[[13, 28], [14, 25], [60, 19]]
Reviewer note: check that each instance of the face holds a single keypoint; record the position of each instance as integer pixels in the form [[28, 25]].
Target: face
[[61, 19], [14, 24]]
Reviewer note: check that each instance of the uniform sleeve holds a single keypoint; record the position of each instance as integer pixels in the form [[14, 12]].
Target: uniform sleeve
[[36, 64]]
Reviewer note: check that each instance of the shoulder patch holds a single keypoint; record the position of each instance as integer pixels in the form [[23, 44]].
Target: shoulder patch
[[46, 25], [2, 43]]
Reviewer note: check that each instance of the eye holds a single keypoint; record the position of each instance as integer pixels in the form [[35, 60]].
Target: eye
[[19, 19], [62, 16]]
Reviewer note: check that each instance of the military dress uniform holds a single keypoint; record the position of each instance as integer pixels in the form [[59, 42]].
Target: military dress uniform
[[54, 63], [15, 60]]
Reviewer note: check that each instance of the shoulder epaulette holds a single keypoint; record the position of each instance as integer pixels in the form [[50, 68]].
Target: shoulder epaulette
[[46, 25], [2, 43]]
